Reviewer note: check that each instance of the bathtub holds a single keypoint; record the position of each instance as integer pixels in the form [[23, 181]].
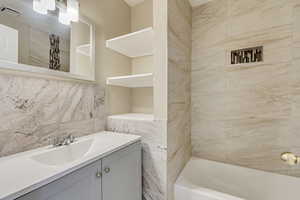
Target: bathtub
[[208, 180]]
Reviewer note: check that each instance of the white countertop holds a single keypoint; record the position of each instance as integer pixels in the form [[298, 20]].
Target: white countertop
[[20, 174]]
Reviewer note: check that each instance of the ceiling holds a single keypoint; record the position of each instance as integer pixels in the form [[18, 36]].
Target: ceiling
[[133, 2], [195, 3]]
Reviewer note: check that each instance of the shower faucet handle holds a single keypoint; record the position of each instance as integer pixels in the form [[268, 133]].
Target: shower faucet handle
[[290, 158]]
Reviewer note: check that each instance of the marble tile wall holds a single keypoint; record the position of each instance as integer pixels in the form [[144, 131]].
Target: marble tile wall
[[179, 71], [154, 156], [33, 110], [246, 114]]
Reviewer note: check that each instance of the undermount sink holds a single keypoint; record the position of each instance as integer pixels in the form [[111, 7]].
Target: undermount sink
[[65, 154]]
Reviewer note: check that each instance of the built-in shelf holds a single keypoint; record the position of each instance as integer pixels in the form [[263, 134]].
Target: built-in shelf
[[84, 49], [133, 2], [135, 44], [132, 116], [132, 81]]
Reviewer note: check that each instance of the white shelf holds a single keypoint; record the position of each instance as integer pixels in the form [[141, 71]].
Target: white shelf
[[84, 49], [132, 116], [135, 44], [133, 2], [132, 81]]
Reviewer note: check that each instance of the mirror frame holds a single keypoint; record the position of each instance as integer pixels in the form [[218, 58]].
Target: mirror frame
[[35, 71], [87, 21]]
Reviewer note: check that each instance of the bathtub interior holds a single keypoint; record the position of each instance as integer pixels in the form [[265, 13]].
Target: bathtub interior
[[200, 176]]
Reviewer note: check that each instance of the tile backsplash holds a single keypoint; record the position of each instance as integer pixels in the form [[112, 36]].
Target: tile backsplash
[[33, 110]]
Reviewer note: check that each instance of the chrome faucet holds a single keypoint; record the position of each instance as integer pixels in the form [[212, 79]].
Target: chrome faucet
[[60, 141], [69, 139]]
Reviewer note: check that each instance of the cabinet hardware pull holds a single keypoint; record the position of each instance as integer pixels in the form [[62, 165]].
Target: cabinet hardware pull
[[107, 170], [98, 174]]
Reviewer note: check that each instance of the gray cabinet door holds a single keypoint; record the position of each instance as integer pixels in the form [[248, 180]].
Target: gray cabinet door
[[83, 184], [121, 171]]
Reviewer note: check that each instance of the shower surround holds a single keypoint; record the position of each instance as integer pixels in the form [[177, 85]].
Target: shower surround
[[179, 93], [246, 114]]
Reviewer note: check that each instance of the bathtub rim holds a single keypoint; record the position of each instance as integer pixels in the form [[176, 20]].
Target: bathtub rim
[[281, 181], [183, 185]]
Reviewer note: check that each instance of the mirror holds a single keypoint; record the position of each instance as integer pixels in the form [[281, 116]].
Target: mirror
[[36, 39]]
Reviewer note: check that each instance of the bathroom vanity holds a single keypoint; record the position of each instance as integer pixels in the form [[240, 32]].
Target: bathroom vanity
[[104, 166]]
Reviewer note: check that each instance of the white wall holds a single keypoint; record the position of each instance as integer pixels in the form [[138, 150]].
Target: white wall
[[142, 98], [112, 19]]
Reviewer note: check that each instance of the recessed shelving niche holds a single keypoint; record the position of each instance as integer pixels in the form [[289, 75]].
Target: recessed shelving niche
[[247, 55], [136, 82]]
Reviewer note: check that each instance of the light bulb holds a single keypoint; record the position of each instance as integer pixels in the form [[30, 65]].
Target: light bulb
[[64, 18], [39, 7], [73, 10], [51, 4]]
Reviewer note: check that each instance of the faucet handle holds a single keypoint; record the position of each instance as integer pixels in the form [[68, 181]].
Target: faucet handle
[[72, 138], [56, 141], [68, 139]]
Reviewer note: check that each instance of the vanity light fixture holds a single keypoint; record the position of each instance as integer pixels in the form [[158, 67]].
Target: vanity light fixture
[[39, 7], [69, 11], [51, 4], [73, 10], [42, 6], [64, 17]]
